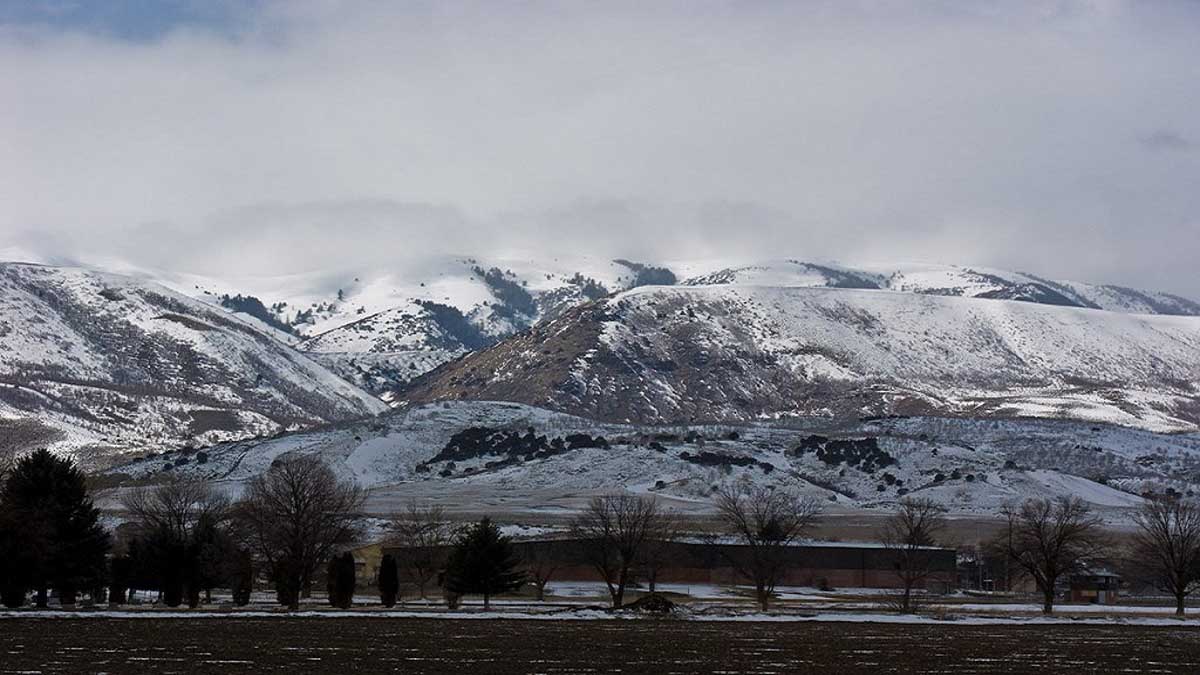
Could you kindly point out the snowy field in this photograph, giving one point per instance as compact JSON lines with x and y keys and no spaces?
{"x":378,"y":642}
{"x":577,"y":601}
{"x":934,"y":615}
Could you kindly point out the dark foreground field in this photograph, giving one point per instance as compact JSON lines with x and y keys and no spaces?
{"x":482,"y":647}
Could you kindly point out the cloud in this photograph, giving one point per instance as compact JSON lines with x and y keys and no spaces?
{"x":294,"y":136}
{"x":1164,"y":139}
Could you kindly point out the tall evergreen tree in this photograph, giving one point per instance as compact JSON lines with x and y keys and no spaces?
{"x":389,"y":581}
{"x":331,"y":589}
{"x":483,"y":563}
{"x":238,"y":566}
{"x":120,"y":575}
{"x":59,"y":526}
{"x":341,"y":581}
{"x":143,"y":569}
{"x":17,"y":561}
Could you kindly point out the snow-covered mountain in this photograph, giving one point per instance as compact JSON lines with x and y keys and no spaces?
{"x":378,"y":329}
{"x":728,"y":352}
{"x":381,"y":328}
{"x":521,"y":459}
{"x":101,"y":364}
{"x":860,"y":385}
{"x":952,"y":280}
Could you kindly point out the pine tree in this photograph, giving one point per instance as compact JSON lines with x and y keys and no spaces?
{"x":60,"y":534}
{"x":346,"y":579}
{"x":142,"y":571}
{"x":341,"y":581}
{"x":238,"y":567}
{"x":483,"y":563}
{"x":120,"y":574}
{"x":389,"y":581}
{"x":167,"y":556}
{"x":331,"y":589}
{"x":17,"y":563}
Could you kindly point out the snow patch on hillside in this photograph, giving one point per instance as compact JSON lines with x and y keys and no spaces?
{"x":971,"y":466}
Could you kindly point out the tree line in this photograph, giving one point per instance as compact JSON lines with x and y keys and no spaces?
{"x":183,"y":539}
{"x":293,"y":525}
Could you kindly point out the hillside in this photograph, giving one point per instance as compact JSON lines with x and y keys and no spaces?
{"x":101,"y":364}
{"x":733,"y":352}
{"x":381,"y":327}
{"x":513,"y":458}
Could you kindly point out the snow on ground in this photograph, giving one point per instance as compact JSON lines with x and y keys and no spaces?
{"x":1091,"y":492}
{"x":585,"y":614}
{"x":971,"y":466}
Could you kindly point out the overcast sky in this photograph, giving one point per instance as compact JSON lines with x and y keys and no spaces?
{"x":1061,"y":138}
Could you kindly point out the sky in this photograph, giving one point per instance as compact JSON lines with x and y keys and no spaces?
{"x":255,"y":136}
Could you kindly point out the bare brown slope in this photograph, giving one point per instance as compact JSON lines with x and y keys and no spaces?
{"x":531,"y":367}
{"x":672,"y":376}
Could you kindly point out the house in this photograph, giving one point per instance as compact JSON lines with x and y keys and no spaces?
{"x":1098,"y":585}
{"x":367,"y":558}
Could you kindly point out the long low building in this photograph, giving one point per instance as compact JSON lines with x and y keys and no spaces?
{"x":821,"y":565}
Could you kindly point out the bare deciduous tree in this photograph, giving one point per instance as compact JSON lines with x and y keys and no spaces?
{"x":424,"y":535}
{"x":540,"y":562}
{"x":657,"y":551}
{"x":296,"y":516}
{"x":1048,"y":539}
{"x":177,"y":506}
{"x":909,"y":535}
{"x":766,"y":522}
{"x":1166,"y":546}
{"x":613,"y":530}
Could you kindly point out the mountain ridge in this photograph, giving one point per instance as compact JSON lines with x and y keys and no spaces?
{"x":486,"y":301}
{"x":728,"y":352}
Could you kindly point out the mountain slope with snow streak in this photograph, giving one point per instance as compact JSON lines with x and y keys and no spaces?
{"x":106,"y":364}
{"x":729,"y":352}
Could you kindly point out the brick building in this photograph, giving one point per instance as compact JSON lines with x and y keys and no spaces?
{"x":834,"y":565}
